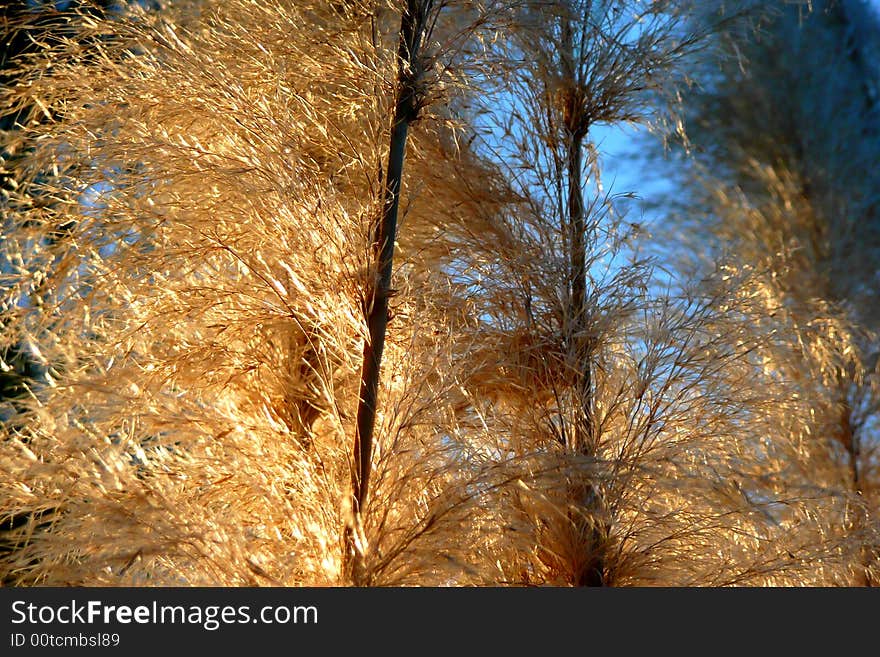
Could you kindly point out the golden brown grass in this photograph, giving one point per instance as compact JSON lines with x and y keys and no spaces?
{"x":186,"y":252}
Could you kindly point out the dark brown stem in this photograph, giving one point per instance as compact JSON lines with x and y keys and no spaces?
{"x":406,"y":110}
{"x":576,"y":122}
{"x":591,"y":528}
{"x":583,"y":438}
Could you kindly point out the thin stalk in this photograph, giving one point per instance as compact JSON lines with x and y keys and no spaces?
{"x":589,"y":525}
{"x":584,"y":427}
{"x":576,"y":128}
{"x":406,"y":109}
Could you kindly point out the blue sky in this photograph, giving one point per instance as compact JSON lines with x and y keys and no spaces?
{"x":622,"y":171}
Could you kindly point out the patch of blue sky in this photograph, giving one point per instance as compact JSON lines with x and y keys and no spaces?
{"x":93,"y":201}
